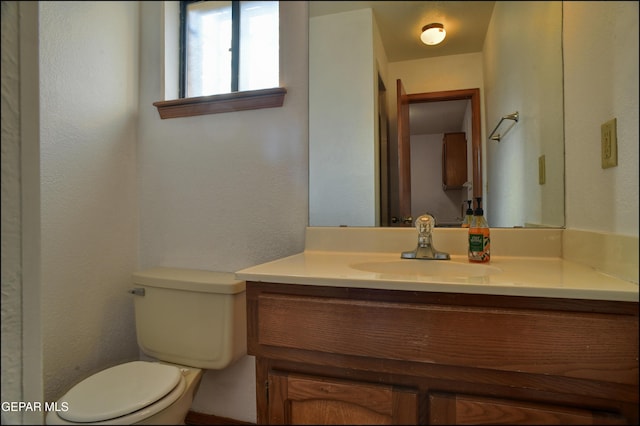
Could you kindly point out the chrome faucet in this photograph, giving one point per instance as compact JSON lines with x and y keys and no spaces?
{"x":425,"y":249}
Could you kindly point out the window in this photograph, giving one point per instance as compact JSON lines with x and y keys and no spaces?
{"x":216,"y":74}
{"x":228,"y":46}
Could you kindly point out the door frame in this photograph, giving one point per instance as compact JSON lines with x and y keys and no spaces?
{"x":473,"y":95}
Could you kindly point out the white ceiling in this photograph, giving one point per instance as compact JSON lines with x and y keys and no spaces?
{"x":400,"y":24}
{"x":437,"y":117}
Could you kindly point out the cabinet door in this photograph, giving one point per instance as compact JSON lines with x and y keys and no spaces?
{"x":456,"y":409}
{"x":454,"y":160}
{"x":295,"y":399}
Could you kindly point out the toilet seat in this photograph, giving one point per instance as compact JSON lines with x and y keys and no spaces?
{"x":124,"y":394}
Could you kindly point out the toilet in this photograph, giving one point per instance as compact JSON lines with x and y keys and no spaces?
{"x":187,"y":321}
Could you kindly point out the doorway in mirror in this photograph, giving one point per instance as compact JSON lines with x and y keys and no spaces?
{"x":416,"y":172}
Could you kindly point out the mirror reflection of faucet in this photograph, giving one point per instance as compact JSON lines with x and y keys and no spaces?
{"x":425,"y":249}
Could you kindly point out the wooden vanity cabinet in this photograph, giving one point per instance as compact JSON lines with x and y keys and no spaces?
{"x":337,"y":355}
{"x":454,"y":160}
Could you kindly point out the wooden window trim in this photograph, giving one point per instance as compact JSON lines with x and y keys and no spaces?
{"x":216,"y":104}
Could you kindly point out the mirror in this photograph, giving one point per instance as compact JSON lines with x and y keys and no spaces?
{"x":510,"y":51}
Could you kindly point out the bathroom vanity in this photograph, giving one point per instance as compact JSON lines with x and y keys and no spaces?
{"x":352,"y":337}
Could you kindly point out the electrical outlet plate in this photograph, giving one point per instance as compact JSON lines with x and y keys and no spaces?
{"x":609,"y":140}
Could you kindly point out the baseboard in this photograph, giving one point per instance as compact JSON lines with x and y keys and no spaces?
{"x":195,"y":418}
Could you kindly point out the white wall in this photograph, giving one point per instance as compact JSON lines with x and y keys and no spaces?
{"x":224,"y":191}
{"x":527,"y":80}
{"x":342,"y":127}
{"x":76,"y":128}
{"x":89,"y":215}
{"x":427,"y":195}
{"x":601,"y":83}
{"x":11,"y":214}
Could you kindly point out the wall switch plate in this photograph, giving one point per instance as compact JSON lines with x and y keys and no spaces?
{"x":609,"y":140}
{"x":542,"y":172}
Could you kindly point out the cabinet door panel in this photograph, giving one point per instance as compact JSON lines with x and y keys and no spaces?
{"x":465,"y":409}
{"x":297,"y":399}
{"x":454,"y":160}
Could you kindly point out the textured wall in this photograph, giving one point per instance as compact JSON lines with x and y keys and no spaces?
{"x":223,"y":191}
{"x":89,"y":225}
{"x":601,"y":82}
{"x":11,"y":244}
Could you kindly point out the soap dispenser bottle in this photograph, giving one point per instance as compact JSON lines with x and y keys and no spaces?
{"x":479,"y":242}
{"x":468,"y":218}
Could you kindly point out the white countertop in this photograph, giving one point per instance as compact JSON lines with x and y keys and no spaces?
{"x":518,"y":276}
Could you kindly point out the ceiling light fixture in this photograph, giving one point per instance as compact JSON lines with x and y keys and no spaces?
{"x":433,"y":34}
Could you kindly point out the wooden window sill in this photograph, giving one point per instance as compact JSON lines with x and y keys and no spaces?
{"x":216,"y":104}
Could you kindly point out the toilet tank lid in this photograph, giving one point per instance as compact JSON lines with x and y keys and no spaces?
{"x":190,"y":279}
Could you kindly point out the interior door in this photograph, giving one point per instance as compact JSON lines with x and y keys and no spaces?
{"x":404,"y":159}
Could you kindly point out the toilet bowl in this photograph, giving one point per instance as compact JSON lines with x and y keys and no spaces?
{"x":188,"y":320}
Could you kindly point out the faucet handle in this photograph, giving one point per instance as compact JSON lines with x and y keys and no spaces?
{"x":425,"y":224}
{"x":425,"y":250}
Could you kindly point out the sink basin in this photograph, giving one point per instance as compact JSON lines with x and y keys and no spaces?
{"x":428,"y":268}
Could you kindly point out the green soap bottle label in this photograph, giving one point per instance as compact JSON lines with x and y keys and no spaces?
{"x":476,"y":242}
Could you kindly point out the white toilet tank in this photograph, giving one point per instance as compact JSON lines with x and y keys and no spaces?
{"x":191,"y":317}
